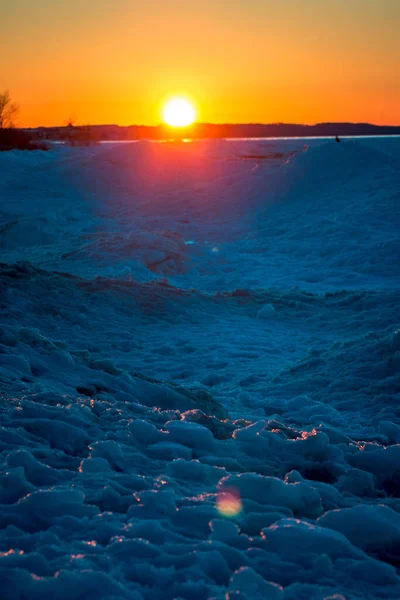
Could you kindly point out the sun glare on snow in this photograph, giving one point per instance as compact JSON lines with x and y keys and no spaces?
{"x":179,"y":112}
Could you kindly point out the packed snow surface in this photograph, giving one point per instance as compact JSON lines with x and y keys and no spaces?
{"x":200,"y":371}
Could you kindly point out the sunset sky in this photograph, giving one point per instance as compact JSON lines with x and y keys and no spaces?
{"x":116,"y":61}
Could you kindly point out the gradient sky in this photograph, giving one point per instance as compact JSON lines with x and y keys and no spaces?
{"x":115,"y":61}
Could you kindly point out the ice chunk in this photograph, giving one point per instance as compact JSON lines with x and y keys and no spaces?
{"x":372,"y":528}
{"x":250,"y":584}
{"x":298,"y":497}
{"x":190,"y":434}
{"x":291,"y":538}
{"x":144,"y":432}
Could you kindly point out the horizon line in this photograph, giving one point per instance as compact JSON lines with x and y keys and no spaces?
{"x":220,"y":124}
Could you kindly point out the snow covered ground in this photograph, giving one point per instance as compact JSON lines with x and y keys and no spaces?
{"x":200,"y":371}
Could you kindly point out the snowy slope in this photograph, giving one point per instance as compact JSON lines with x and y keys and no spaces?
{"x":200,"y":371}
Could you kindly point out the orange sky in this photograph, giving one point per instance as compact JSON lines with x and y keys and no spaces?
{"x":115,"y":61}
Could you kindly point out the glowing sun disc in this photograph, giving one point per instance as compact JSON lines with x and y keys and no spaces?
{"x":179,"y":112}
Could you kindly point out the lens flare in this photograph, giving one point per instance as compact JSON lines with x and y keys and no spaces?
{"x":229,"y":503}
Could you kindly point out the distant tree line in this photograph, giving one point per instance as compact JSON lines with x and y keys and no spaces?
{"x":218,"y":131}
{"x":12,"y":138}
{"x":79,"y":135}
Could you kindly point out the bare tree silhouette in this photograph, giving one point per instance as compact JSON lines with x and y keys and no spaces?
{"x":8,"y":111}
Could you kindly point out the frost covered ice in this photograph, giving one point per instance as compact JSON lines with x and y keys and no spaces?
{"x":200,"y":371}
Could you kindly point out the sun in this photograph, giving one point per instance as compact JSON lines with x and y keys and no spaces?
{"x":179,"y":112}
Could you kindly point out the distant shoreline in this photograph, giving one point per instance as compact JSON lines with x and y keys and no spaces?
{"x":212,"y":131}
{"x":264,"y":139}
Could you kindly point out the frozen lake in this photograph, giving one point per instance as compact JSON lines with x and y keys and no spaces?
{"x":200,"y":370}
